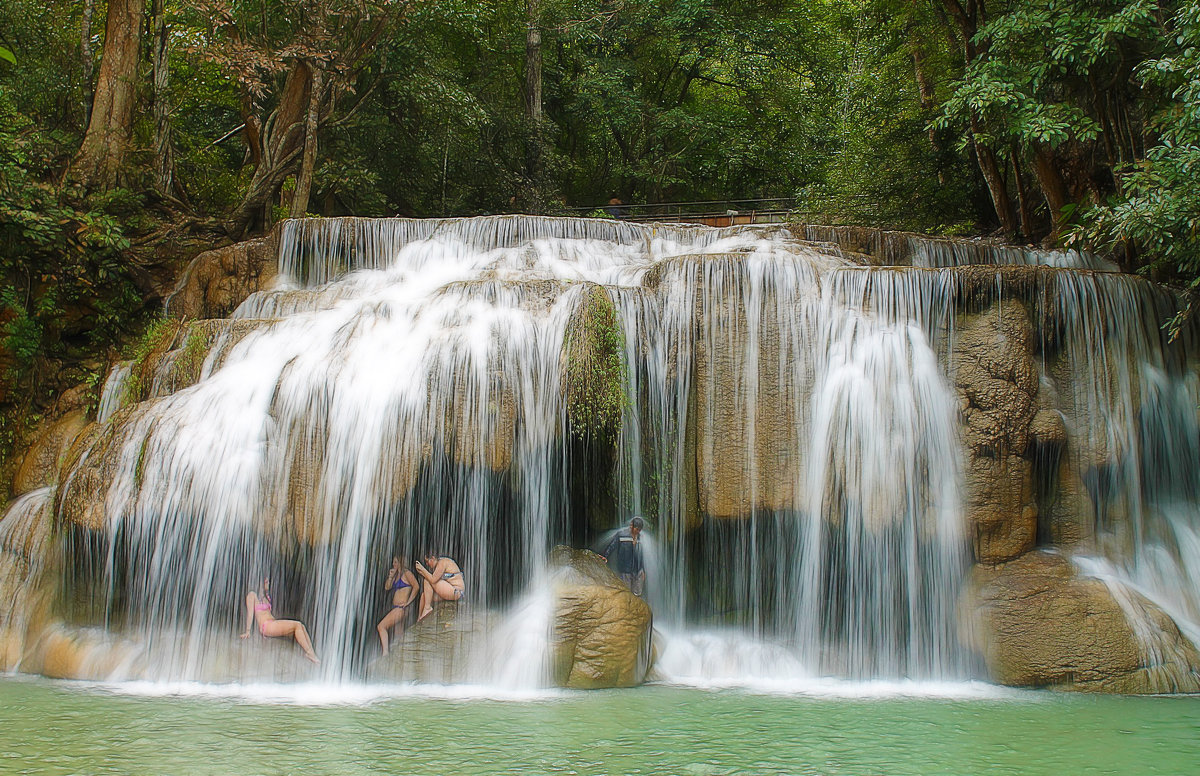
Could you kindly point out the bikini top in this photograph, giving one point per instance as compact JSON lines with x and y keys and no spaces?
{"x":263,"y":605}
{"x":400,"y":584}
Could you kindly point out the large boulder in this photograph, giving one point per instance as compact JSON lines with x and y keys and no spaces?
{"x":217,"y":281}
{"x":602,"y":631}
{"x":443,"y":648}
{"x":1042,"y":624}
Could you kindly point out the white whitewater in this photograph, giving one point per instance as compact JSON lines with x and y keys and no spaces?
{"x":401,"y":390}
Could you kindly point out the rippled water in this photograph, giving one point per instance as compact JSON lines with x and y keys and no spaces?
{"x":61,"y":728}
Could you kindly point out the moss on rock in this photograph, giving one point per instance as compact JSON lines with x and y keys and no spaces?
{"x":593,"y":367}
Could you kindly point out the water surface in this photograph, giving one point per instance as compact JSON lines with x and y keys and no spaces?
{"x":64,"y":728}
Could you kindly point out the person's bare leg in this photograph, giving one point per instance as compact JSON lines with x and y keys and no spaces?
{"x":386,"y":624}
{"x":426,"y":600}
{"x":446,"y":591}
{"x":301,"y":634}
{"x":295,"y":629}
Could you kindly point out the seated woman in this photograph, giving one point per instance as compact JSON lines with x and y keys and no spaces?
{"x":258,"y":610}
{"x":443,"y":580}
{"x":403,"y":585}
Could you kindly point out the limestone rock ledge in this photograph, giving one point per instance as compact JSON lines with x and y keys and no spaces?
{"x":1042,"y":624}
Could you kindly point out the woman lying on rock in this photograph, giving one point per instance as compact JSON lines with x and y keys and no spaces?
{"x":403,"y":584}
{"x":258,"y":610}
{"x":443,"y":581}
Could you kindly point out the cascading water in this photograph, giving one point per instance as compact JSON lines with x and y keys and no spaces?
{"x":789,"y":426}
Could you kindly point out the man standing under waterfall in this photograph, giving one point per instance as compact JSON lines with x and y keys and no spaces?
{"x":627,"y":548}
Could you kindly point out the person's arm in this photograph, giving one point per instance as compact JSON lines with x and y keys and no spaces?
{"x":439,"y":569}
{"x":391,"y":577}
{"x":612,"y":547}
{"x":249,"y":614}
{"x":424,"y":571}
{"x":411,"y":580}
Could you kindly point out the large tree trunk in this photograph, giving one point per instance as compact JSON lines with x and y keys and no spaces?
{"x":990,"y":168}
{"x":1053,"y":189}
{"x":164,"y":157}
{"x":85,"y":56}
{"x":533,"y":90}
{"x":969,"y":15}
{"x":1025,"y":207}
{"x":309,"y":160}
{"x":925,"y":90}
{"x":103,"y":150}
{"x":277,"y":144}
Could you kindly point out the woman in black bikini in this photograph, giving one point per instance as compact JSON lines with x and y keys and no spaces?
{"x":403,"y":585}
{"x":443,"y":580}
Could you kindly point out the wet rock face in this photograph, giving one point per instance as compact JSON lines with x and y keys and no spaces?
{"x":1041,"y":624}
{"x":40,"y":466}
{"x":997,"y":382}
{"x":746,"y":412}
{"x":440,"y":649}
{"x":217,"y":281}
{"x":90,"y":466}
{"x":602,"y":631}
{"x":24,"y":535}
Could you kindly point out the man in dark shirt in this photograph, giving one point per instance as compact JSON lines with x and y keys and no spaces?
{"x":624,"y":554}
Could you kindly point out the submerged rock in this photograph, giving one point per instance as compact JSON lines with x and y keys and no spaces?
{"x":1042,"y":624}
{"x":602,"y":631}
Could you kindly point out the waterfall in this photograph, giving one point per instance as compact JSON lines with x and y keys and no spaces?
{"x":789,"y":422}
{"x":112,"y":395}
{"x":890,"y":248}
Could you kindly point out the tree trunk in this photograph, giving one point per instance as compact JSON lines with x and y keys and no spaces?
{"x":276,"y":143}
{"x":164,"y":157}
{"x":969,"y":15}
{"x":1024,"y":205}
{"x":533,"y":89}
{"x":925,"y":90}
{"x":103,"y":149}
{"x":990,"y":168}
{"x":1053,"y":189}
{"x":85,"y":56}
{"x":309,"y":160}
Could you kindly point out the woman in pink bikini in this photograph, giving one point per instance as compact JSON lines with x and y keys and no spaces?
{"x":258,"y":610}
{"x":403,"y":584}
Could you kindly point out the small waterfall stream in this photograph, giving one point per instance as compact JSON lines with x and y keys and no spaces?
{"x":790,"y":428}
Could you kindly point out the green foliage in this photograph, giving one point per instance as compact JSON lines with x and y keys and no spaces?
{"x":885,"y":169}
{"x":155,"y":340}
{"x":1039,"y":64}
{"x":1159,"y":209}
{"x":191,"y":358}
{"x":67,"y":283}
